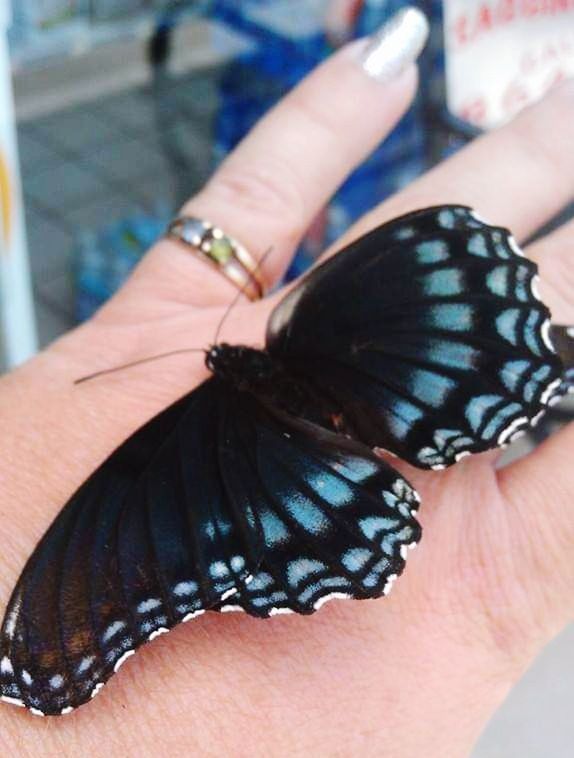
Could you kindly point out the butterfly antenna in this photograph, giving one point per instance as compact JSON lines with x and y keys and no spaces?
{"x":240,"y":292}
{"x":151,"y":358}
{"x":137,"y":363}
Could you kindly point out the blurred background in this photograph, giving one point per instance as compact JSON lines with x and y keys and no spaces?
{"x":113,"y":112}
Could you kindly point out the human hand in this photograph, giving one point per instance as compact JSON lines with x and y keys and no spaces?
{"x":418,"y":673}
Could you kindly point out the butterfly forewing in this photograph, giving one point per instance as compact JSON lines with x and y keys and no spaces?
{"x":426,"y":336}
{"x":148,"y":541}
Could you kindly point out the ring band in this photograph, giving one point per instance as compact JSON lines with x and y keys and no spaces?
{"x":227,"y":255}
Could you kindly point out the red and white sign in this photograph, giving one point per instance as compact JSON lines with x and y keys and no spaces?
{"x":503,"y":54}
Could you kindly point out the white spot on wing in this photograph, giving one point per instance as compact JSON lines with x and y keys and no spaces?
{"x":280,"y":611}
{"x":192,"y":615}
{"x":12,"y":701}
{"x":389,"y":585}
{"x":229,"y":593}
{"x":65,"y":711}
{"x":507,"y":433}
{"x":27,"y":678}
{"x":157,"y":633}
{"x":332,"y":596}
{"x":120,"y":662}
{"x":6,"y":666}
{"x":535,"y":287}
{"x":230,"y":609}
{"x":545,"y":331}
{"x":550,"y":390}
{"x":97,"y":688}
{"x":514,"y":246}
{"x":37,"y":712}
{"x":477,"y":217}
{"x":12,"y":619}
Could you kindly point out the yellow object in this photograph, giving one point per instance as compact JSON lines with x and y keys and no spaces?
{"x":5,"y":200}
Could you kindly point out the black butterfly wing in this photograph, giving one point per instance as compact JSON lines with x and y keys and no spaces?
{"x":563,"y":339}
{"x":337,"y":521}
{"x":425,"y":337}
{"x":214,"y":492}
{"x":151,"y":539}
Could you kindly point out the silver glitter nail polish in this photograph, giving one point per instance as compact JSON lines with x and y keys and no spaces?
{"x":396,"y":45}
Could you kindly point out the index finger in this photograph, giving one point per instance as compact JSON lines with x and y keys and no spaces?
{"x":271,"y":187}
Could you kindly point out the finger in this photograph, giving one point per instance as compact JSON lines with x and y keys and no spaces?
{"x":554,"y":255}
{"x":539,"y":488}
{"x":518,"y":176}
{"x":271,"y":187}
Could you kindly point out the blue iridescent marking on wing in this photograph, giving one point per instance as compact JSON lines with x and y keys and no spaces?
{"x":446,"y":282}
{"x":301,"y":569}
{"x":507,"y":325}
{"x":498,"y":282}
{"x":477,"y":246}
{"x":513,"y":372}
{"x":532,"y":333}
{"x":452,"y":317}
{"x":536,"y":383}
{"x":431,"y":387}
{"x":451,"y":354}
{"x":356,"y":558}
{"x":478,"y":408}
{"x":432,"y":251}
{"x":274,"y":530}
{"x":373,"y":527}
{"x":333,"y":489}
{"x":403,"y":416}
{"x":501,"y":419}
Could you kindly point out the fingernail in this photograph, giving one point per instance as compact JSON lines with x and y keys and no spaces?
{"x":396,"y":45}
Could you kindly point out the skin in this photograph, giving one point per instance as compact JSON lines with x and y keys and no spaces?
{"x":418,"y":673}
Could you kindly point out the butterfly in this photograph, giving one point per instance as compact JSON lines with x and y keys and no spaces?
{"x":261,"y":490}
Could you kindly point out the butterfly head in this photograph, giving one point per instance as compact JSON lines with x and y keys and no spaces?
{"x":239,"y":364}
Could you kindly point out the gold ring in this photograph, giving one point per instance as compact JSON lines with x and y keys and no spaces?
{"x":227,"y":255}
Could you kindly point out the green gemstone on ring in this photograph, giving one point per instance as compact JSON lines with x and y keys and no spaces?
{"x":221,"y":250}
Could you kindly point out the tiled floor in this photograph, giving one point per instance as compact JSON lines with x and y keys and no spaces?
{"x":88,"y":166}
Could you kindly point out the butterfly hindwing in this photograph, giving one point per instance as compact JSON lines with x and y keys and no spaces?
{"x":336,"y":520}
{"x":426,"y":336}
{"x":563,"y":339}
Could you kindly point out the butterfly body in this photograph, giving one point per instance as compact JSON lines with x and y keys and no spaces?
{"x":258,"y":490}
{"x":255,"y":371}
